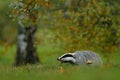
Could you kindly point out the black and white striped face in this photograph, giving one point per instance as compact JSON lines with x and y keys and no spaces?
{"x":67,"y":58}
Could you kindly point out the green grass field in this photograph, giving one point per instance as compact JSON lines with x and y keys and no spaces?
{"x":50,"y":68}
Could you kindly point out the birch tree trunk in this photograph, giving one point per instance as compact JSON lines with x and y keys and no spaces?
{"x":26,"y":50}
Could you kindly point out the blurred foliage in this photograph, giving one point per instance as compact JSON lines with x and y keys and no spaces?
{"x":7,"y":27}
{"x":91,"y":24}
{"x":81,"y":25}
{"x":28,"y":11}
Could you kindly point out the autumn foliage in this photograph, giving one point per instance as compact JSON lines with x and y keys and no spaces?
{"x":88,"y":24}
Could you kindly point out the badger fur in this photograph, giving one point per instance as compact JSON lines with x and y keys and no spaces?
{"x":81,"y":58}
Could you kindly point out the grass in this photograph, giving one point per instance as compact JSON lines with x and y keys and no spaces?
{"x":50,"y":68}
{"x":39,"y":72}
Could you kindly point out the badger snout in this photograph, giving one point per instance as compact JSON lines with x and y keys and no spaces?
{"x":58,"y":59}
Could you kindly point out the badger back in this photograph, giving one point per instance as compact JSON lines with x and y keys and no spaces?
{"x":83,"y":56}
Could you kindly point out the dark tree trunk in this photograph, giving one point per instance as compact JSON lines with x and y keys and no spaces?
{"x":26,"y":50}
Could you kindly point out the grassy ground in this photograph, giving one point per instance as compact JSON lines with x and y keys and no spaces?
{"x":50,"y":68}
{"x":54,"y":73}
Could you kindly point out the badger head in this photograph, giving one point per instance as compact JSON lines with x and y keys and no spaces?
{"x":67,"y":58}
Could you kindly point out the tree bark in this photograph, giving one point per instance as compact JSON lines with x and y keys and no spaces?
{"x":26,"y":50}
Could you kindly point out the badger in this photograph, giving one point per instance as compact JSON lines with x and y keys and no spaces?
{"x":81,"y":58}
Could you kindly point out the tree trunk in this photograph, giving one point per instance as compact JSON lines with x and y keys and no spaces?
{"x":26,"y":50}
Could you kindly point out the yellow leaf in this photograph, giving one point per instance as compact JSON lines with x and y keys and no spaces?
{"x":62,"y":70}
{"x":48,"y":4}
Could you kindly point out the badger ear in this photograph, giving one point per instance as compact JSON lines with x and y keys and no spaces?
{"x":74,"y":56}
